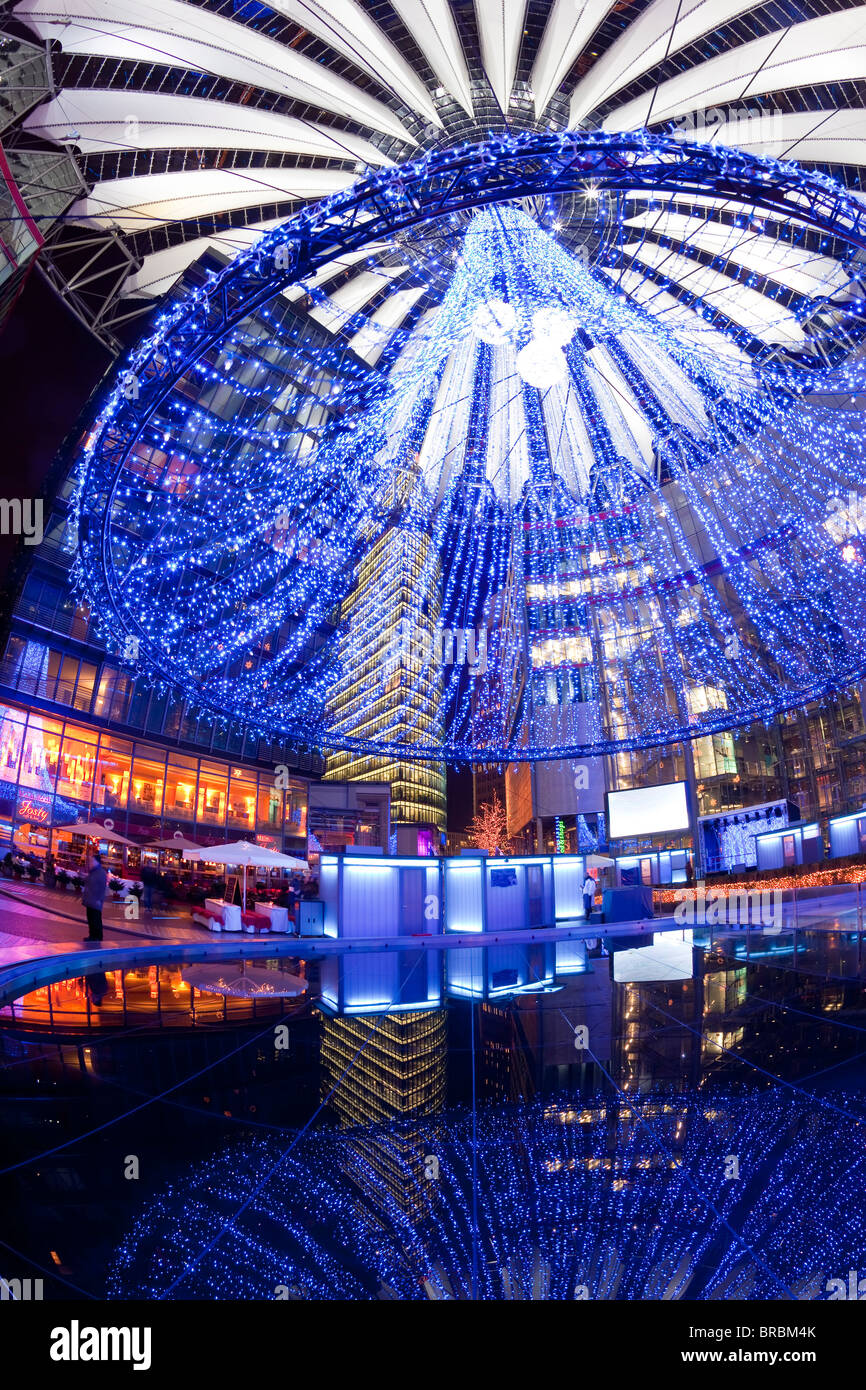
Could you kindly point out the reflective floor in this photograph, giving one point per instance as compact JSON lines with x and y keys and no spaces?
{"x":661,"y":1114}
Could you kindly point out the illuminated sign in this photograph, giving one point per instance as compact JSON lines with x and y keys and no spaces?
{"x":34,"y":807}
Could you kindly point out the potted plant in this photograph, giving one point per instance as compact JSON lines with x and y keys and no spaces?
{"x":62,"y":880}
{"x":116,"y":886}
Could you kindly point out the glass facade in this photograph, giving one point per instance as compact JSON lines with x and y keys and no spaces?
{"x":56,"y":771}
{"x":82,"y":738}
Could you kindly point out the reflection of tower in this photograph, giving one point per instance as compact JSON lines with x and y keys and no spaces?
{"x":388,"y":651}
{"x":387,"y":1067}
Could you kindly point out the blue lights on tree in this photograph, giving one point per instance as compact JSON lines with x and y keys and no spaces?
{"x":590,"y":1199}
{"x":639,"y":494}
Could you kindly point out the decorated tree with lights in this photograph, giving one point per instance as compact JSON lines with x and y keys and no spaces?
{"x":633,"y":486}
{"x":488,"y":829}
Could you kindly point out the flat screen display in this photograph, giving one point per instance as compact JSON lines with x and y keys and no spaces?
{"x":647,"y":811}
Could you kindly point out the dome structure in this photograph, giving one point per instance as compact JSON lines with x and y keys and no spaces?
{"x":526,"y":423}
{"x":196,"y":126}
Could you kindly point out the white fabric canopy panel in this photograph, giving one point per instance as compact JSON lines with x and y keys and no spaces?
{"x":753,"y":311}
{"x":135,"y":204}
{"x":363,"y":87}
{"x":101,"y":120}
{"x":661,"y":30}
{"x":432,"y":24}
{"x":831,"y":48}
{"x":183,"y":35}
{"x":804,"y":271}
{"x":347,"y":28}
{"x":500,"y":27}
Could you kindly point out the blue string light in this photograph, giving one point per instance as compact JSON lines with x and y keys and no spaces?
{"x":642,"y":502}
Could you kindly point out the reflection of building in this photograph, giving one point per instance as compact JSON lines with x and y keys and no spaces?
{"x":384,"y":1067}
{"x":390,"y":681}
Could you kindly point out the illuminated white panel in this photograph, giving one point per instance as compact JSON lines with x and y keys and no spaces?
{"x":753,"y":311}
{"x":445,"y":437}
{"x":570,"y":25}
{"x":464,"y":896}
{"x":507,"y":462}
{"x":500,"y":29}
{"x":681,"y":399}
{"x":831,"y":48}
{"x":160,"y":270}
{"x":135,"y":204}
{"x":668,"y":309}
{"x":406,"y":388}
{"x":431,"y":24}
{"x":664,"y":27}
{"x":571,"y":452}
{"x":108,"y":120}
{"x":629,"y":429}
{"x":351,"y":297}
{"x":344,"y":26}
{"x":647,"y":811}
{"x":801,"y":270}
{"x":332,"y":268}
{"x":569,"y":872}
{"x":832,"y":137}
{"x":183,"y":35}
{"x":372,"y":339}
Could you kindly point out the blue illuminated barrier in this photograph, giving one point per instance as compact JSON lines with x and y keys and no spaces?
{"x":495,"y":895}
{"x":664,"y":866}
{"x":800,"y":843}
{"x":369,"y":897}
{"x":848,"y":834}
{"x":366,"y":897}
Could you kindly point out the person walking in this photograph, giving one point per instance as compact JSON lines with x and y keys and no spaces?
{"x":589,"y":887}
{"x":93,"y":896}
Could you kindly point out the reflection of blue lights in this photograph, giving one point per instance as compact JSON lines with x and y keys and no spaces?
{"x":579,"y":1198}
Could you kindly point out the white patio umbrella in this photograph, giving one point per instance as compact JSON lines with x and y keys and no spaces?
{"x":599,"y":861}
{"x":243,"y":854}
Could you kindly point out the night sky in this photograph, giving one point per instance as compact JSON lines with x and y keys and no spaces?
{"x":49,"y":364}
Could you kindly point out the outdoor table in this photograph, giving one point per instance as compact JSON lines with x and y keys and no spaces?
{"x":231,"y":914}
{"x":278,"y":916}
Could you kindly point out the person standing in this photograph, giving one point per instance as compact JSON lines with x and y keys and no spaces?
{"x":589,"y":887}
{"x":93,"y":896}
{"x":149,"y":881}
